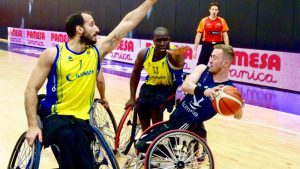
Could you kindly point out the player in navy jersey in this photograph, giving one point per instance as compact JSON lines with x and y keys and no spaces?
{"x":201,"y":87}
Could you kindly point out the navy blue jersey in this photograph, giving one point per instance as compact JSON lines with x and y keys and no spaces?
{"x":196,"y":109}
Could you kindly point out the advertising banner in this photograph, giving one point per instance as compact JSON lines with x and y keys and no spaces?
{"x":16,"y":35}
{"x":260,"y":67}
{"x":57,"y":38}
{"x":126,"y":51}
{"x":37,"y":38}
{"x":266,"y":68}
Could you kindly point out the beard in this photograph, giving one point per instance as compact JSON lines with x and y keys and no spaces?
{"x":87,"y":39}
{"x":214,"y":69}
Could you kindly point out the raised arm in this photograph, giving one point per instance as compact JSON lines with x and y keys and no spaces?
{"x":128,"y":23}
{"x":135,"y":77}
{"x":190,"y":82}
{"x":36,"y":80}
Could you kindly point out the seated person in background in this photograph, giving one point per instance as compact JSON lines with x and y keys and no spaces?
{"x":164,"y":65}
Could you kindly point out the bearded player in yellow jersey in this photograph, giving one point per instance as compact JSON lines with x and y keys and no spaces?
{"x":164,"y":64}
{"x":72,"y":71}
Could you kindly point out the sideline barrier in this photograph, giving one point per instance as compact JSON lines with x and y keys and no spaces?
{"x":259,"y":67}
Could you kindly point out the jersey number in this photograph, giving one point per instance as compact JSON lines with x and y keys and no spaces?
{"x":80,"y":64}
{"x":155,"y":69}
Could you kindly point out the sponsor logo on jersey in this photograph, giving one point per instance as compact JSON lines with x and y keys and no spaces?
{"x":71,"y":77}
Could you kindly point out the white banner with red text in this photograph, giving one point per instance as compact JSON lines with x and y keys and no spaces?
{"x":260,"y":67}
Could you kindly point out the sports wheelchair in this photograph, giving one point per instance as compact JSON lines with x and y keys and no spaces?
{"x":174,"y":148}
{"x":28,"y":157}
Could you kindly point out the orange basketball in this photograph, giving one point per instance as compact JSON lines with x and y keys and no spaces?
{"x":228,"y":101}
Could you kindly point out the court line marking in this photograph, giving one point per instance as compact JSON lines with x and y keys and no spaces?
{"x":261,"y":124}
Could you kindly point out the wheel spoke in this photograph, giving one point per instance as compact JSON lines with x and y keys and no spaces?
{"x":176,"y":149}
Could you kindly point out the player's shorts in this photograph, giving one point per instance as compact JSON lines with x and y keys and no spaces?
{"x":152,"y":97}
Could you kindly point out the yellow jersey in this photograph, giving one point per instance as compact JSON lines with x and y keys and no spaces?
{"x":71,"y":82}
{"x":158,"y":71}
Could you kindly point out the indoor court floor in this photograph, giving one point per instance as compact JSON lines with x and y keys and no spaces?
{"x":267,"y":137}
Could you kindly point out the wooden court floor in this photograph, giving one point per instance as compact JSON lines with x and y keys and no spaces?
{"x":263,"y":139}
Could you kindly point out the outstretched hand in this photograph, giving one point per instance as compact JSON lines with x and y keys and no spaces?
{"x":178,"y":51}
{"x":212,"y":92}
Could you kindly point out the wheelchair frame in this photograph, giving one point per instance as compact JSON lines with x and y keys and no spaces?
{"x":31,"y":154}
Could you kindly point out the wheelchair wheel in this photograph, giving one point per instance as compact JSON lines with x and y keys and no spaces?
{"x":104,"y":120}
{"x":103,"y":155}
{"x":149,"y":129}
{"x":25,"y":156}
{"x":144,"y":141}
{"x":127,"y":130}
{"x":178,"y":149}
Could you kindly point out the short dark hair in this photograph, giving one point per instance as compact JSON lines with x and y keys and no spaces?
{"x":214,"y":4}
{"x":161,"y":29}
{"x":73,"y":20}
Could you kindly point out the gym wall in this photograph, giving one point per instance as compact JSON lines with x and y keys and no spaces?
{"x":256,"y":24}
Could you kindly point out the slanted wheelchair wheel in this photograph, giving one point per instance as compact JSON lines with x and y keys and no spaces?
{"x":127,"y":130}
{"x":178,"y":149}
{"x":104,"y":120}
{"x":25,"y":156}
{"x":103,"y":155}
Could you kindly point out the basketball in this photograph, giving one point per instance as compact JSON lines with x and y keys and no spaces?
{"x":228,"y":101}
